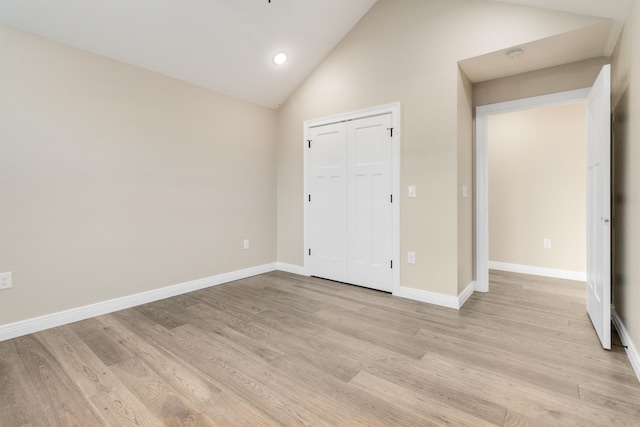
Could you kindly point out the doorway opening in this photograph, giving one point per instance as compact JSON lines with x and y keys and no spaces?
{"x":483,"y":116}
{"x":537,"y":191}
{"x":598,"y":195}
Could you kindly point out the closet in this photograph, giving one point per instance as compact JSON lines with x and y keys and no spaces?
{"x":350,"y":216}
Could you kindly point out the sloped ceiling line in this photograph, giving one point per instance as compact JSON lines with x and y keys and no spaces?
{"x":227,"y":45}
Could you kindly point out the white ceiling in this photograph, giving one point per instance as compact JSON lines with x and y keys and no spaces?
{"x":615,"y":9}
{"x":224,"y":45}
{"x":588,"y":42}
{"x":227,"y":45}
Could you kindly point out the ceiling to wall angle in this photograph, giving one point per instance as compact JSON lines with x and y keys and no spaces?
{"x":597,"y":40}
{"x":224,"y":45}
{"x":229,"y":45}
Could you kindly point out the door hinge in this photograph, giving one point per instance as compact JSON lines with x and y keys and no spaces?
{"x":391,"y":263}
{"x":309,"y":197}
{"x":309,"y":251}
{"x":392,"y":198}
{"x":309,"y":141}
{"x":390,"y":132}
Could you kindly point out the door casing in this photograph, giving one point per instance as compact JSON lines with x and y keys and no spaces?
{"x":482,"y":169}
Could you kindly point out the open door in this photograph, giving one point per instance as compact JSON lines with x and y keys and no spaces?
{"x":599,"y":206}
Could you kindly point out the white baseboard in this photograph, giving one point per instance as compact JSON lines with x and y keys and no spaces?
{"x":29,"y":326}
{"x":435,"y":298}
{"x":632,"y":351}
{"x":466,"y":294}
{"x":290,"y":268}
{"x":404,"y":292}
{"x":539,"y":271}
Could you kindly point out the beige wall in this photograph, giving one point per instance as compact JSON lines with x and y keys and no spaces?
{"x":408,"y":51}
{"x":465,"y":179}
{"x":115,"y":180}
{"x":537,"y":187}
{"x":576,"y":75}
{"x":626,"y":104}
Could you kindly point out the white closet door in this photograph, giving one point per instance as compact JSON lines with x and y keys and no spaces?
{"x":350,"y":206}
{"x":369,"y":210}
{"x":328,"y":204}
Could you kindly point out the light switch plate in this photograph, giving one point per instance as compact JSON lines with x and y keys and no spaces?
{"x":412,"y":191}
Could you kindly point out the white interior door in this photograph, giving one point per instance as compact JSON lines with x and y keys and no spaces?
{"x":350,"y":206}
{"x":370,"y":213}
{"x":328,"y":201}
{"x":599,"y":206}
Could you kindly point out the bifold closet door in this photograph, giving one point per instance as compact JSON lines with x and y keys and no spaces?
{"x":328,"y":202}
{"x":369,"y":206}
{"x":351,"y":216}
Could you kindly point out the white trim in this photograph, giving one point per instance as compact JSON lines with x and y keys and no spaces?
{"x":352,"y":115}
{"x":394,"y":110}
{"x":539,"y":271}
{"x":290,"y":268}
{"x":466,"y":294}
{"x":435,"y":298}
{"x":36,"y":324}
{"x":426,"y":296}
{"x":632,"y":351}
{"x":482,"y":168}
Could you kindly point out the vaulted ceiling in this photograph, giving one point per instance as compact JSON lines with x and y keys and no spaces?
{"x":224,"y":45}
{"x":228,"y":45}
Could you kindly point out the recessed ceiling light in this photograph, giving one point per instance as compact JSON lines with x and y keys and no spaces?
{"x":279,"y":58}
{"x":515,"y":53}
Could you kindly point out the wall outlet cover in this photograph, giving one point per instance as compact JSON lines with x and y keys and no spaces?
{"x":5,"y":280}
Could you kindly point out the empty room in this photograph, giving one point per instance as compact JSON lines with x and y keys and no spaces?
{"x":298,"y":212}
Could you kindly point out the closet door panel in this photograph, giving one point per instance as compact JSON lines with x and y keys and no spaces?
{"x":328,"y":204}
{"x":369,"y":210}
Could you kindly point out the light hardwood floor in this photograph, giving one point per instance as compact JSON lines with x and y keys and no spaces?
{"x":280,"y":349}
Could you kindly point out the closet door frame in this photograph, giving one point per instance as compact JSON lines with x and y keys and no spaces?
{"x":394,"y":110}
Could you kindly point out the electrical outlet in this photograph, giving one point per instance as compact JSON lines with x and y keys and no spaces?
{"x":546,"y":243}
{"x":5,"y":280}
{"x":411,"y":259}
{"x":246,"y":244}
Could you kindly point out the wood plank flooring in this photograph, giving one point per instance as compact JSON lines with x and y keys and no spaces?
{"x":279,"y":349}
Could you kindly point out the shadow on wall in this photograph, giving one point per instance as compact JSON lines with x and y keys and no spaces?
{"x":620,"y":154}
